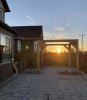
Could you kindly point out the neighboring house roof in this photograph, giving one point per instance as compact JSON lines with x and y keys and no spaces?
{"x":4,"y":2}
{"x":29,"y":32}
{"x":7,"y":27}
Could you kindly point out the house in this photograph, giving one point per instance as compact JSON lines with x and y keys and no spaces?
{"x":6,"y":43}
{"x":26,"y":44}
{"x":17,"y":44}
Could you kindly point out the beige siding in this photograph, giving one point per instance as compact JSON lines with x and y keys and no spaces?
{"x":2,"y":30}
{"x":1,"y":6}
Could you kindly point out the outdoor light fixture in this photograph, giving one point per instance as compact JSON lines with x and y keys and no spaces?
{"x":27,"y":47}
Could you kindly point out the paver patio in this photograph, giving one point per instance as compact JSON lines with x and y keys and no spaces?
{"x":38,"y":86}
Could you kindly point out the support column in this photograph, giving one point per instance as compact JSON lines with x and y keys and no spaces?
{"x":70,"y":55}
{"x":42,"y":54}
{"x":77,"y":55}
{"x":42,"y":60}
{"x":38,"y":55}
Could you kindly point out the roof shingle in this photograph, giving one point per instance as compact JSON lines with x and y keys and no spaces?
{"x":29,"y":31}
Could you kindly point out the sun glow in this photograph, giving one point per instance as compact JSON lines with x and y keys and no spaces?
{"x":59,"y":50}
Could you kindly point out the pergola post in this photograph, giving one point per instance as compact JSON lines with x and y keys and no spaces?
{"x":38,"y":55}
{"x":42,"y":54}
{"x":42,"y":57}
{"x":70,"y":55}
{"x":77,"y":55}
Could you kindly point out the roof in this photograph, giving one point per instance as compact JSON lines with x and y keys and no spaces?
{"x":4,"y":2}
{"x":7,"y":27}
{"x":29,"y":31}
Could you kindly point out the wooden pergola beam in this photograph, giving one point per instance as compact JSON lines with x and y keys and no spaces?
{"x":61,"y":40}
{"x":74,"y":44}
{"x":43,"y":46}
{"x":56,"y":44}
{"x":67,"y":47}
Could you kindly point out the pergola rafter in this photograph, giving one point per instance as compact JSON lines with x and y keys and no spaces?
{"x":67,"y":43}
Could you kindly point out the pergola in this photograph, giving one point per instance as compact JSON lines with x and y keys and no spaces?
{"x":67,"y":43}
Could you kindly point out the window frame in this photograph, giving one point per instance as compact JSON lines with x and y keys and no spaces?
{"x":35,"y":46}
{"x":19,"y":45}
{"x":10,"y":50}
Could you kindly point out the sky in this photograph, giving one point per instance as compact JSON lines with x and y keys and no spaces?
{"x":61,"y":19}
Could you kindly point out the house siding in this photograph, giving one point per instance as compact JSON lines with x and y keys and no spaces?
{"x":27,"y":35}
{"x":1,"y":6}
{"x":29,"y":57}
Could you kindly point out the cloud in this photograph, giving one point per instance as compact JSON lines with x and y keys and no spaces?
{"x":59,"y":29}
{"x":67,"y":24}
{"x":30,"y":19}
{"x":59,"y":35}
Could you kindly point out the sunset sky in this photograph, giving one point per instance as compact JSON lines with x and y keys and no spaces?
{"x":61,"y":19}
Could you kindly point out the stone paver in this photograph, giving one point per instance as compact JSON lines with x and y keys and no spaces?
{"x":37,"y":87}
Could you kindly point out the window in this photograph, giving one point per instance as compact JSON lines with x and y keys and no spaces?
{"x":35,"y":46}
{"x":6,"y":42}
{"x":19,"y":46}
{"x":1,"y":15}
{"x":3,"y":41}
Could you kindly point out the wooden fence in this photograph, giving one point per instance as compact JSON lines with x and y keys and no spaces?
{"x":54,"y":59}
{"x":6,"y":71}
